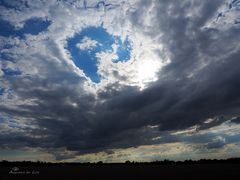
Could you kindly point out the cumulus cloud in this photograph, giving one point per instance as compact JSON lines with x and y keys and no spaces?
{"x":86,"y":43}
{"x":183,"y":73}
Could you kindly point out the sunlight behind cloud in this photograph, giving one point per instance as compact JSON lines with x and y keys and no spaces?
{"x":147,"y":72}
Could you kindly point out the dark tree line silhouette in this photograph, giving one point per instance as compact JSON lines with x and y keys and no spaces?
{"x":166,"y":169}
{"x":164,"y":162}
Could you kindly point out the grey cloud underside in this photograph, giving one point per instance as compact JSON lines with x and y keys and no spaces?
{"x":185,"y":95}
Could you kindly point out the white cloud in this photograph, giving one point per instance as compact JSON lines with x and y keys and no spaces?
{"x":226,"y":17}
{"x":70,"y":19}
{"x":87,"y":44}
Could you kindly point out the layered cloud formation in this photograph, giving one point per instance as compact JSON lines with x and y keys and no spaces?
{"x":116,"y":80}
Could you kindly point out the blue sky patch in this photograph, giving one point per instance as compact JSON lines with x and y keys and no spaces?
{"x":16,"y":5}
{"x":123,"y":51}
{"x":92,"y":40}
{"x":11,"y":72}
{"x":1,"y":93}
{"x":32,"y":26}
{"x":6,"y":57}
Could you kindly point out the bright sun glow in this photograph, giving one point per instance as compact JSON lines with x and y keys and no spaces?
{"x":147,"y":72}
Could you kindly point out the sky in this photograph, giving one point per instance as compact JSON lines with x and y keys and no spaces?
{"x":117,"y":80}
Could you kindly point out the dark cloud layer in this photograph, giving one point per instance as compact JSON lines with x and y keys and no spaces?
{"x":201,"y":81}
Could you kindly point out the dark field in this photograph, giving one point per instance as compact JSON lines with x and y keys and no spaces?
{"x":160,"y":170}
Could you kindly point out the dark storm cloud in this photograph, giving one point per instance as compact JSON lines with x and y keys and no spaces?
{"x":236,"y":120}
{"x":177,"y":101}
{"x":186,"y":94}
{"x":214,"y":145}
{"x":215,"y":122}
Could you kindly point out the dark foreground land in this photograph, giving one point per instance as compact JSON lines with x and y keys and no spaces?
{"x":203,"y":169}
